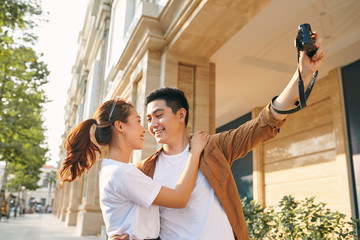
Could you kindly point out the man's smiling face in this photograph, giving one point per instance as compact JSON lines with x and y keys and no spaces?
{"x":163,"y":124}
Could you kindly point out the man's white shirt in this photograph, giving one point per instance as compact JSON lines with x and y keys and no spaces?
{"x":203,"y":217}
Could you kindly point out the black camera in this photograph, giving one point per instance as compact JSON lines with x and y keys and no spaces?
{"x":303,"y":40}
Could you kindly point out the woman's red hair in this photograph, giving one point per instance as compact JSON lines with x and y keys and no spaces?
{"x":80,"y":152}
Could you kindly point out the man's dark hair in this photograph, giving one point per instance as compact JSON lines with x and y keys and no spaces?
{"x":174,"y":98}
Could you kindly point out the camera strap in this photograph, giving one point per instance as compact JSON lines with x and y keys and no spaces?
{"x":303,"y":95}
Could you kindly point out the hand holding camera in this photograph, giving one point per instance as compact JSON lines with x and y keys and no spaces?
{"x":310,"y":57}
{"x":310,"y":50}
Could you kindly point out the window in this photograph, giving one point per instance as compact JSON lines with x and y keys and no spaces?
{"x":122,"y":14}
{"x":45,"y":183}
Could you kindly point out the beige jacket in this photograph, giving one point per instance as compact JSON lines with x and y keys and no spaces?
{"x":216,"y":160}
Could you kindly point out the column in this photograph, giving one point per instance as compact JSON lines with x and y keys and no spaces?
{"x":64,"y":201}
{"x":258,"y":168}
{"x":150,"y":66}
{"x":56,"y":201}
{"x":197,"y":80}
{"x":343,"y":164}
{"x":89,"y":219}
{"x":75,"y":197}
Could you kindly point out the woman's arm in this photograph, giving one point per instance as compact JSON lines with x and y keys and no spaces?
{"x":179,"y":197}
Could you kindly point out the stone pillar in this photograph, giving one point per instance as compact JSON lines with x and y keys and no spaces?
{"x":204,"y":95}
{"x":56,"y":200}
{"x":186,"y":81}
{"x":168,"y":70}
{"x":75,"y":197}
{"x":59,"y":199}
{"x":342,"y":162}
{"x":212,"y":99}
{"x":197,"y":80}
{"x":258,"y":168}
{"x":89,"y":219}
{"x":64,"y":201}
{"x":151,"y":71}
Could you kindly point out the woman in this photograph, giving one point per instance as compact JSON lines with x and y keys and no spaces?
{"x":126,"y":194}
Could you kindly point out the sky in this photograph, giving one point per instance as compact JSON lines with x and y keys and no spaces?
{"x":58,"y":42}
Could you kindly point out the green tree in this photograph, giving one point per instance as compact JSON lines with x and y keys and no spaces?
{"x":22,"y":76}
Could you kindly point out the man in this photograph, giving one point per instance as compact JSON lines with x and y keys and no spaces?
{"x":214,"y":210}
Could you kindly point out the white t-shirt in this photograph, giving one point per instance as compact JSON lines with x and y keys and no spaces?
{"x":203,"y":217}
{"x":126,"y":195}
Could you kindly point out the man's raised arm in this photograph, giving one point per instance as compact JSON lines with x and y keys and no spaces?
{"x":307,"y":67}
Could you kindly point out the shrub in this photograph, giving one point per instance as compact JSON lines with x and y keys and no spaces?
{"x":292,"y":219}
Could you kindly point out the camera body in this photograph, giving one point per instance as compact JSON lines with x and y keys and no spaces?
{"x":303,"y":40}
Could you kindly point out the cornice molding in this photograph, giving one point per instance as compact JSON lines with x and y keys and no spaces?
{"x":147,"y":35}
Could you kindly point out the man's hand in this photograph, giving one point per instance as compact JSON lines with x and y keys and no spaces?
{"x":307,"y":65}
{"x":120,"y":237}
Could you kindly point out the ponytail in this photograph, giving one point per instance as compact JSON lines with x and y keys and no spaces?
{"x":80,"y":152}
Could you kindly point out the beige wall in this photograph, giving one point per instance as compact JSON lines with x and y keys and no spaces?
{"x":308,"y":158}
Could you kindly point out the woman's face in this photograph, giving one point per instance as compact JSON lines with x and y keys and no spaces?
{"x":133,"y":130}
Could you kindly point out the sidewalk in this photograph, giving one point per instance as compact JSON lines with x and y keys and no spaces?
{"x":39,"y":227}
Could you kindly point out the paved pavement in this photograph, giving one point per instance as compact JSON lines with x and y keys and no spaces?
{"x":39,"y":227}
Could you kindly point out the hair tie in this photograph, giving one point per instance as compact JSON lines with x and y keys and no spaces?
{"x":95,"y":122}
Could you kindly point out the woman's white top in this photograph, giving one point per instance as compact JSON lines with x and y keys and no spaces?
{"x":126,"y":195}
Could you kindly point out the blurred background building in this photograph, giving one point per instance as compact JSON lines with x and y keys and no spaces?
{"x":17,"y":202}
{"x":230,"y":57}
{"x":41,"y":200}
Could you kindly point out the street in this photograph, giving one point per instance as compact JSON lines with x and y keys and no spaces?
{"x":38,"y":227}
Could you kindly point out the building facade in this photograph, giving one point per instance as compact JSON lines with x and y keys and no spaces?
{"x":230,"y":57}
{"x":42,"y":199}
